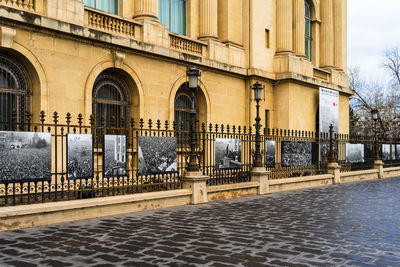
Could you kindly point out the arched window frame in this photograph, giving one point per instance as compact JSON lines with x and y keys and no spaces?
{"x":173,"y":14}
{"x":184,"y":92}
{"x":308,"y":30}
{"x":14,"y":97}
{"x":113,"y":81}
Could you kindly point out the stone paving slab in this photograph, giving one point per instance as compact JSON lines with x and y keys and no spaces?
{"x":346,"y":225}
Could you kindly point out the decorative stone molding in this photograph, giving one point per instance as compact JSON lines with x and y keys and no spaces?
{"x":7,"y":36}
{"x":118,"y":59}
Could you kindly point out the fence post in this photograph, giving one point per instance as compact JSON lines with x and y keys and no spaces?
{"x":193,"y":177}
{"x":378,"y":165}
{"x":333,"y":166}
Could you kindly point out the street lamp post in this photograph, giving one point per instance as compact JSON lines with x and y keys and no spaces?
{"x":193,"y":75}
{"x":374,"y":114}
{"x":257,"y":88}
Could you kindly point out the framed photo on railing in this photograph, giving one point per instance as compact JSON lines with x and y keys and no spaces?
{"x":228,"y":153}
{"x":297,"y":154}
{"x":270,"y":153}
{"x":25,"y":157}
{"x":114,"y":156}
{"x":79,"y":156}
{"x":355,"y":153}
{"x":157,"y":155}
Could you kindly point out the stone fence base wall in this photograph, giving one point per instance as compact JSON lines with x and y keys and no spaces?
{"x":34,"y":215}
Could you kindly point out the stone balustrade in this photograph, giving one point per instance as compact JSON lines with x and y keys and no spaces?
{"x":186,"y":45}
{"x":23,"y":4}
{"x":106,"y":22}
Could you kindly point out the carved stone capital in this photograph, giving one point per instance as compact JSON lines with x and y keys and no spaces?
{"x":7,"y":36}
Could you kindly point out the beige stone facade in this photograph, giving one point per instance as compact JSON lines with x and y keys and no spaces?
{"x":64,"y":45}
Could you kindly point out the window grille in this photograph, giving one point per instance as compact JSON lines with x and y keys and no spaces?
{"x":110,"y":99}
{"x":14,"y":93}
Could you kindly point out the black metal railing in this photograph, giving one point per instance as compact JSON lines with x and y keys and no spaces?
{"x":157,"y":154}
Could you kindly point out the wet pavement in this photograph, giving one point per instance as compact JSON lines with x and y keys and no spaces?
{"x":347,"y":225}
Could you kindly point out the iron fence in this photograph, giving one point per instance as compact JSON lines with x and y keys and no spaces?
{"x":225,"y":154}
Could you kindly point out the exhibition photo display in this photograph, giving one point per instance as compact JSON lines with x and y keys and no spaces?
{"x":25,"y":157}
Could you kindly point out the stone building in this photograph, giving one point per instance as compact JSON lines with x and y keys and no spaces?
{"x":129,"y":58}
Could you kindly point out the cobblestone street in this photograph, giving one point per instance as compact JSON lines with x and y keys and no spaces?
{"x":347,"y":225}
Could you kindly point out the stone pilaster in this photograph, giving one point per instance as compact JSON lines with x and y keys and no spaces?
{"x":146,"y":9}
{"x":260,"y":175}
{"x":298,"y":28}
{"x":196,"y":182}
{"x":327,"y":35}
{"x":284,"y":26}
{"x":339,"y":21}
{"x":208,"y":19}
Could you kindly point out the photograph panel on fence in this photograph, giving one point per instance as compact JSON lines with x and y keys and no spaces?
{"x":79,"y":156}
{"x":114,"y":159}
{"x":393,"y":154}
{"x":324,"y":150}
{"x":25,"y":156}
{"x":270,"y":154}
{"x":328,"y":110}
{"x":386,"y":152}
{"x":228,"y":153}
{"x":157,"y":154}
{"x":397,"y":152}
{"x":355,"y":153}
{"x":296,"y":154}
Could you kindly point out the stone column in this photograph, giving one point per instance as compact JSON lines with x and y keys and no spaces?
{"x":339,"y":21}
{"x":208,"y":19}
{"x":146,"y":9}
{"x":298,"y":28}
{"x":327,"y":36}
{"x":196,"y":182}
{"x":284,"y":26}
{"x":260,"y":175}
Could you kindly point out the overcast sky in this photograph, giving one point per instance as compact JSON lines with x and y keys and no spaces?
{"x":373,"y":27}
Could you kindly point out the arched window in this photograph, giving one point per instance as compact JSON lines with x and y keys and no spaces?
{"x":172,"y":13}
{"x":308,"y":29}
{"x":14,"y":92}
{"x":183,"y":107}
{"x":110,"y":6}
{"x":110,"y":98}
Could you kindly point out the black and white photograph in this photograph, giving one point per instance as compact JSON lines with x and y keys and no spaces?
{"x":269,"y":154}
{"x":296,"y":154}
{"x":25,"y":156}
{"x":397,"y":153}
{"x":355,"y":153}
{"x":79,"y":156}
{"x":228,"y":153}
{"x":157,"y":154}
{"x":114,"y":160}
{"x":386,"y":152}
{"x":328,"y":110}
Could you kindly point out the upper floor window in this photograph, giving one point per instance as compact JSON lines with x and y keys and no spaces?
{"x":308,"y":30}
{"x":172,"y":13}
{"x":110,"y":6}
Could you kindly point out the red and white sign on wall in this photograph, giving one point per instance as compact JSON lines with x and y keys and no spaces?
{"x":328,"y":110}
